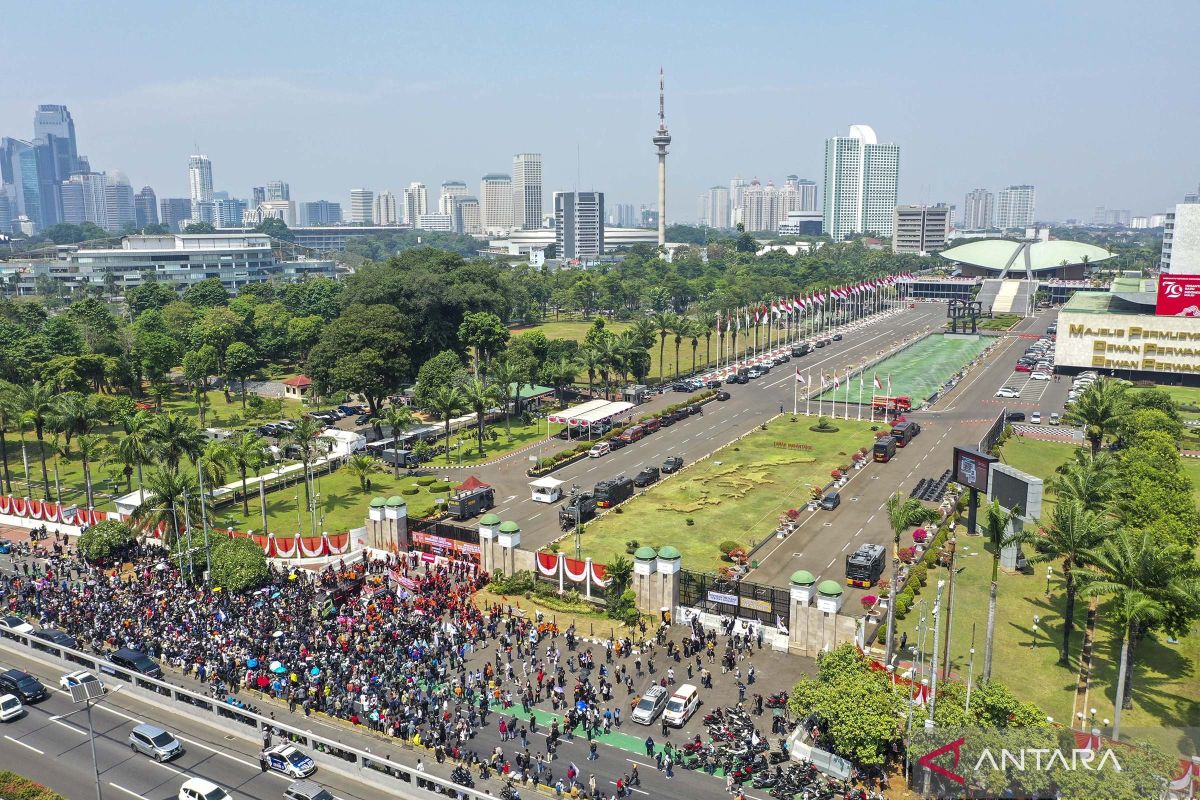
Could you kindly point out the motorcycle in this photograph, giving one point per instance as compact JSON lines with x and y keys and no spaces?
{"x":777,"y":700}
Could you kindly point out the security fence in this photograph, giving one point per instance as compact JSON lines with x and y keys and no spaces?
{"x":734,"y":598}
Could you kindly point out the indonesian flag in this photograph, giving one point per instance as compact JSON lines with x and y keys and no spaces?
{"x":797,"y":304}
{"x":824,"y":382}
{"x":836,"y":381}
{"x":775,"y":310}
{"x":738,"y":317}
{"x":875,"y":378}
{"x":799,"y":377}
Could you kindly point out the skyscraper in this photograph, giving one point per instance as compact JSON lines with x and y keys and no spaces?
{"x":416,"y":202}
{"x":362,"y":209}
{"x":1015,"y":207}
{"x":579,"y":225}
{"x":661,"y":139}
{"x":55,"y":121}
{"x":464,"y":215}
{"x":84,"y":198}
{"x":200,"y":186}
{"x":174,"y":212}
{"x":258,"y":195}
{"x":496,"y":202}
{"x":450,"y":191}
{"x":145,"y":208}
{"x":807,"y":191}
{"x":978,"y":210}
{"x":118,"y":203}
{"x":527,"y":190}
{"x":861,"y":178}
{"x":737,"y":187}
{"x":921,"y":229}
{"x":320,"y":212}
{"x":21,"y":169}
{"x":228,"y":211}
{"x":718,"y":207}
{"x":278,"y":190}
{"x":384,"y":212}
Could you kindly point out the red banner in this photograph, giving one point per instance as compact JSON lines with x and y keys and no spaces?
{"x":1178,"y":296}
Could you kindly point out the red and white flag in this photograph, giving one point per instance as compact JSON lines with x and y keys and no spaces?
{"x":875,"y":378}
{"x":799,"y":377}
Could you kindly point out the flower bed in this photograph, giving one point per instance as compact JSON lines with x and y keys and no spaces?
{"x":918,"y":575}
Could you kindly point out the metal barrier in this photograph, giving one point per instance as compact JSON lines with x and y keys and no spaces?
{"x":360,"y":765}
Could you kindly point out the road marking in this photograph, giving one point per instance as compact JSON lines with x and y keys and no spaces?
{"x":641,"y":763}
{"x":130,"y":792}
{"x":68,"y":726}
{"x":844,"y":548}
{"x":869,"y":520}
{"x":535,"y":516}
{"x":830,"y":564}
{"x":633,"y":788}
{"x":27,"y":746}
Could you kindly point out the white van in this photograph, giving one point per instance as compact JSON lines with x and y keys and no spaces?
{"x":600,"y":449}
{"x":681,"y":706}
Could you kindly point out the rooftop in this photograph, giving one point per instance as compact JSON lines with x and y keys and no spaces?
{"x":1005,"y":254}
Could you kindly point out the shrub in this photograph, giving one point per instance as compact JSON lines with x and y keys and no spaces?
{"x":689,"y":521}
{"x":105,"y":540}
{"x":238,"y":564}
{"x":439,"y":488}
{"x":409,"y":491}
{"x":726,"y":546}
{"x":18,"y":787}
{"x":869,"y":600}
{"x":632,"y":545}
{"x":517,"y":583}
{"x":425,"y":480}
{"x":920,"y":574}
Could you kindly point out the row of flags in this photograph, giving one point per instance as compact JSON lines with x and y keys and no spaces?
{"x":837,"y":382}
{"x":749,"y":317}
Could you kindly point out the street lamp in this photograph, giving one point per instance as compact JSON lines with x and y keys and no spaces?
{"x":1049,"y":575}
{"x":1033,"y":643}
{"x":87,"y":692}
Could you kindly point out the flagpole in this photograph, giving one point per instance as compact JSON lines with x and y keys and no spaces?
{"x":847,"y":394}
{"x":796,"y":393}
{"x":808,"y":394}
{"x":860,"y":388}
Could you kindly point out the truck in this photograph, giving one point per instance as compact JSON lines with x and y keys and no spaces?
{"x":400,"y":458}
{"x":898,"y":403}
{"x":802,"y":349}
{"x":584,"y":502}
{"x":465,"y":505}
{"x":612,"y":491}
{"x":903,"y":432}
{"x":884,"y":449}
{"x":864,"y":567}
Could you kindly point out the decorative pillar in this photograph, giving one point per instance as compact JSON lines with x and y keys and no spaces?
{"x":375,"y":538}
{"x":802,"y":584}
{"x":488,"y":531}
{"x":395,"y":515}
{"x":644,"y":569}
{"x":668,"y":577}
{"x":829,"y":602}
{"x":509,"y":538}
{"x":561,"y":569}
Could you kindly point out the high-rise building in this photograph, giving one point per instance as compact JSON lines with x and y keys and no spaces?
{"x":760,"y":207}
{"x":320,"y":213}
{"x":660,"y":140}
{"x":145,"y":207}
{"x":496,"y":202}
{"x":174,"y":212}
{"x":921,"y":229}
{"x":1181,"y":240}
{"x":416,"y":202}
{"x":278,"y":190}
{"x":278,"y":209}
{"x":435,"y":222}
{"x":118,"y":203}
{"x":807,"y":191}
{"x":718,"y":207}
{"x":527,"y":190}
{"x":1111,"y":216}
{"x":200,"y":186}
{"x":362,"y":206}
{"x":978,"y":210}
{"x":229,"y":211}
{"x":84,"y":199}
{"x":450,"y":191}
{"x":27,"y":169}
{"x":861,"y":179}
{"x":258,"y":195}
{"x":55,"y":121}
{"x":5,"y":213}
{"x":384,"y":211}
{"x":579,"y":225}
{"x":702,"y":209}
{"x":624,"y":216}
{"x":1139,"y":223}
{"x":464,"y":213}
{"x":1192,"y":197}
{"x":1015,"y":207}
{"x":737,"y":187}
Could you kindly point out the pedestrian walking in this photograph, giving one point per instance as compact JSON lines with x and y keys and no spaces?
{"x":649,"y":746}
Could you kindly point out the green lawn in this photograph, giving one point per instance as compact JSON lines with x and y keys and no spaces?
{"x":737,"y":494}
{"x":917,"y":371}
{"x":497,"y":441}
{"x":108,"y":481}
{"x":1038,"y":458}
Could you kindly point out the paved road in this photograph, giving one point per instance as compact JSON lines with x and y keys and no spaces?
{"x":697,"y":436}
{"x":958,"y":419}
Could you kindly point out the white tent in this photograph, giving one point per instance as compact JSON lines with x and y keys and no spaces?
{"x":546,"y":490}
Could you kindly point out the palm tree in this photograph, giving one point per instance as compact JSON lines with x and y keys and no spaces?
{"x":721,"y":331}
{"x":91,"y":447}
{"x":479,"y":397}
{"x":37,"y":400}
{"x":561,"y":374}
{"x":73,"y":413}
{"x":9,"y":413}
{"x":619,"y":573}
{"x":609,"y":352}
{"x":215,"y":462}
{"x":995,"y":523}
{"x":446,"y":401}
{"x":1098,"y":410}
{"x":681,"y":327}
{"x":136,"y":447}
{"x":708,"y":328}
{"x":508,"y":377}
{"x":171,"y":498}
{"x":589,"y":359}
{"x":362,"y":466}
{"x":664,"y":322}
{"x":902,"y":513}
{"x":1091,"y":480}
{"x":695,"y":330}
{"x":173,"y":437}
{"x":397,"y":418}
{"x":305,"y":436}
{"x":1073,"y":535}
{"x":246,"y":453}
{"x":200,"y":395}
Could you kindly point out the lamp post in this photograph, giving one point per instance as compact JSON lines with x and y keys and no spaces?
{"x":1033,"y":641}
{"x":89,"y":693}
{"x":1049,"y":575}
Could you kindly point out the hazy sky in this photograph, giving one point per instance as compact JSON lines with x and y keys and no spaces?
{"x":1096,"y":103}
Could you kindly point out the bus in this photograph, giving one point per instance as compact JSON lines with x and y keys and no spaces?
{"x":885,"y":448}
{"x":864,"y":567}
{"x":615,"y":490}
{"x":905,"y":432}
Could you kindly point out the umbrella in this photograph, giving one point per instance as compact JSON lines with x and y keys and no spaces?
{"x":277,"y":668}
{"x":315,"y":671}
{"x":276,"y":634}
{"x":251,"y":662}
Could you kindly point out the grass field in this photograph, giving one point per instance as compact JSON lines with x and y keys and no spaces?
{"x":577,"y":330}
{"x":1038,"y":458}
{"x":920,"y":370}
{"x":497,"y":441}
{"x":737,"y":494}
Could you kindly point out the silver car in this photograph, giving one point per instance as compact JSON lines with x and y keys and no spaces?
{"x":651,"y":705}
{"x":155,"y":742}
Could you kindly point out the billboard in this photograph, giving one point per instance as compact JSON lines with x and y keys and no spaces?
{"x":971,"y":467}
{"x":1178,"y":296}
{"x":1015,"y":489}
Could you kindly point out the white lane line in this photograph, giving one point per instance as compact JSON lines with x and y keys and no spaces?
{"x":830,"y":564}
{"x":535,"y":516}
{"x":641,"y":763}
{"x":869,"y":520}
{"x":634,"y":788}
{"x":26,"y":746}
{"x":844,"y":548}
{"x":129,"y":792}
{"x":68,"y":726}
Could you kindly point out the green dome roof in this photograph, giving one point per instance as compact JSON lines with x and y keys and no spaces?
{"x":668,"y":552}
{"x":645,"y":553}
{"x":509,"y":527}
{"x":395,"y":500}
{"x":378,"y":502}
{"x":490,"y":519}
{"x":830,"y":588}
{"x":803,"y":577}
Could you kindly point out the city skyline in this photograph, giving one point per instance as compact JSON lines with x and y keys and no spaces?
{"x":433,"y":135}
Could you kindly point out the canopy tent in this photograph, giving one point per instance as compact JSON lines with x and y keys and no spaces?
{"x":546,"y":490}
{"x":604,"y":413}
{"x":567,"y":414}
{"x":471,"y":484}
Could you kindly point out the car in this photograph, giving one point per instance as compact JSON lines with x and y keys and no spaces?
{"x":5,"y":546}
{"x":820,"y":342}
{"x":831,"y":501}
{"x":26,"y":687}
{"x":267,"y":430}
{"x":1015,"y":416}
{"x":695,"y":383}
{"x":782,"y":358}
{"x":672,"y":464}
{"x":201,"y":789}
{"x":1023,"y":368}
{"x":306,"y":790}
{"x":10,"y":707}
{"x":837,"y":337}
{"x":56,"y":637}
{"x":362,"y":419}
{"x":681,"y":387}
{"x":666,"y":420}
{"x":78,"y":677}
{"x":694,"y":409}
{"x":599,"y":449}
{"x":1036,"y":418}
{"x":722,"y":396}
{"x":646,"y":477}
{"x":739,"y":379}
{"x":155,"y":742}
{"x":1008,"y":391}
{"x":682,"y":705}
{"x":650,"y":705}
{"x":133,"y":660}
{"x":1041,"y":376}
{"x":286,"y":758}
{"x":755,"y":373}
{"x":1055,"y":418}
{"x":16,"y":624}
{"x":616,"y":443}
{"x":715,"y":383}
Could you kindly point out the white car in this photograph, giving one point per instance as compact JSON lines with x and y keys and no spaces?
{"x":1036,"y":418}
{"x":14,"y":623}
{"x":601,"y":449}
{"x":77,"y":677}
{"x":10,"y":707}
{"x":1008,"y":391}
{"x":1040,"y":376}
{"x":200,"y":789}
{"x":287,"y":759}
{"x":1055,"y":418}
